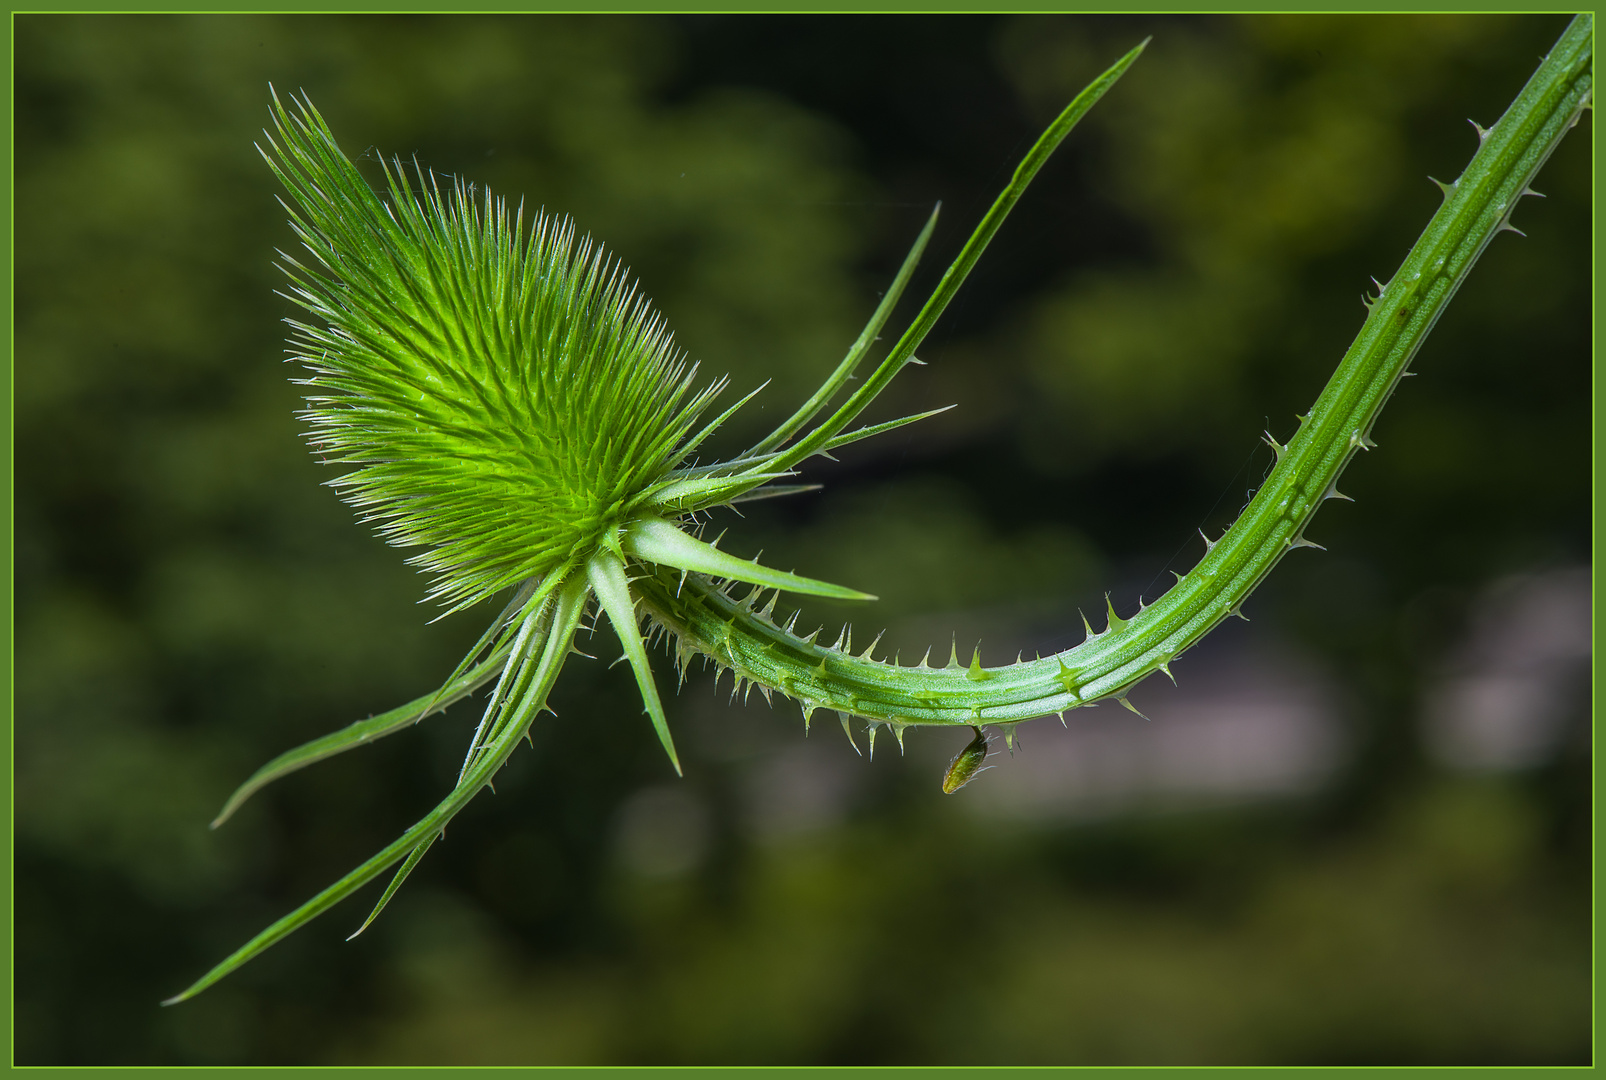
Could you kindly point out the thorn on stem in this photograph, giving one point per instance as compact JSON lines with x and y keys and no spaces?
{"x":1128,"y":705}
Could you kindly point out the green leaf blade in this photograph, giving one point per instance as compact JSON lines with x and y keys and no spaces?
{"x":555,"y":650}
{"x":363,"y":732}
{"x":658,"y":541}
{"x":607,"y":576}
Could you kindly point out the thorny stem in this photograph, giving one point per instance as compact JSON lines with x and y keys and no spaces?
{"x":1477,"y":206}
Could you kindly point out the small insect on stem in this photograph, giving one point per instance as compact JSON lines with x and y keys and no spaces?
{"x":964,"y":768}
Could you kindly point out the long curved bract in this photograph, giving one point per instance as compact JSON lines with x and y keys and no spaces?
{"x":554,"y":626}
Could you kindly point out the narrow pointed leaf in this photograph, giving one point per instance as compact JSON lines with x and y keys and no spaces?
{"x":656,"y":540}
{"x":364,"y":732}
{"x":507,"y":687}
{"x":715,"y":468}
{"x":571,"y":605}
{"x":903,"y":352}
{"x":495,"y":632}
{"x":880,"y":429}
{"x":685,"y":496}
{"x":776,"y":491}
{"x":396,"y":883}
{"x":715,"y":424}
{"x":607,"y":576}
{"x":822,"y":397}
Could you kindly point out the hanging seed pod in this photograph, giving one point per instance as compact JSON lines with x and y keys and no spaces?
{"x":964,"y":767}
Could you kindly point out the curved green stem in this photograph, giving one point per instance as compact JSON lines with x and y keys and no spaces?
{"x":1107,"y":664}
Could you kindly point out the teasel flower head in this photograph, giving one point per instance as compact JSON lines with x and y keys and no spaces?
{"x":507,"y":397}
{"x":504,"y":400}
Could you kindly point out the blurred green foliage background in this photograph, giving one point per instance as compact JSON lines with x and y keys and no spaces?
{"x":190,"y":601}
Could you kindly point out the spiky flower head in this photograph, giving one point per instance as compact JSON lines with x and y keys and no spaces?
{"x":506,"y":394}
{"x":511,"y":404}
